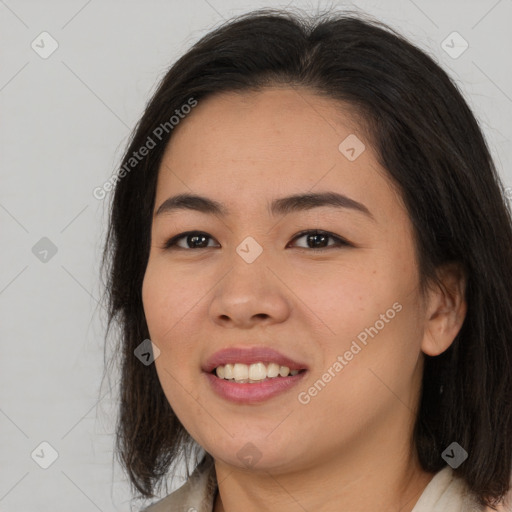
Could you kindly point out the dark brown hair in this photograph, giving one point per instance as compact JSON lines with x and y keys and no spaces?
{"x":430,"y":143}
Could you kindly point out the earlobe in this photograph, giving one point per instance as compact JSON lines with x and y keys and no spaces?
{"x":446,"y":309}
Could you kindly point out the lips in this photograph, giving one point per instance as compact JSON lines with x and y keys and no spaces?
{"x":249,"y":356}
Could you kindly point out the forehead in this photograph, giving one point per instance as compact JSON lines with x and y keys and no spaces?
{"x":252,"y":146}
{"x":253,"y":123}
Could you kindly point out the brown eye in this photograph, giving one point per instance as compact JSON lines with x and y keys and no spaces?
{"x":318,"y":240}
{"x":193,"y":239}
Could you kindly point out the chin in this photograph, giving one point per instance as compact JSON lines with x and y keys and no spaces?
{"x":255,"y":452}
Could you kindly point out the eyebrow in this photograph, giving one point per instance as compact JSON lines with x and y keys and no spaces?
{"x":282,"y":206}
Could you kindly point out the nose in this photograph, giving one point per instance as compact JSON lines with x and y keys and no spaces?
{"x":250,"y":294}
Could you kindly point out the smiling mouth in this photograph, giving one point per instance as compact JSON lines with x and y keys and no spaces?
{"x":254,"y":373}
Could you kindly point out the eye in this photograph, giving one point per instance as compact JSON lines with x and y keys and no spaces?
{"x":195,"y":238}
{"x":319,"y":240}
{"x":198,"y":240}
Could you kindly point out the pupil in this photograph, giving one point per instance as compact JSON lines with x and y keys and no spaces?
{"x":315,"y":244}
{"x":194,"y":238}
{"x":317,"y":240}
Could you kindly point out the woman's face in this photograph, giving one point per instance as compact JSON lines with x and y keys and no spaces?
{"x":349,"y":314}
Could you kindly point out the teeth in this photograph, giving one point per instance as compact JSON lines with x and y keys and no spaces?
{"x":228,"y":371}
{"x":272,"y":370}
{"x":256,"y":372}
{"x":240,"y":371}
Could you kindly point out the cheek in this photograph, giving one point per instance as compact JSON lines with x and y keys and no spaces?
{"x":165,"y":295}
{"x":375,"y":304}
{"x":153,"y":294}
{"x":164,"y":305}
{"x":170,"y":301}
{"x":378,"y":360}
{"x":344,"y":295}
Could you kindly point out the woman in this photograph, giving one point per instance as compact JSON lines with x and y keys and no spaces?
{"x":310,"y":259}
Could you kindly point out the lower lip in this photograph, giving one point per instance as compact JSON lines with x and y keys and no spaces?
{"x":252,"y":393}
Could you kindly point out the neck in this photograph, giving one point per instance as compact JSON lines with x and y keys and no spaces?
{"x":377,"y":472}
{"x":378,"y":489}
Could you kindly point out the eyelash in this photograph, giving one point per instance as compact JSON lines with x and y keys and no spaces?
{"x":340,"y":242}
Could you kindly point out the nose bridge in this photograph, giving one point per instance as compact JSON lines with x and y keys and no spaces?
{"x":249,"y":289}
{"x":248,"y":265}
{"x":250,"y":233}
{"x":250,"y":250}
{"x":256,"y":252}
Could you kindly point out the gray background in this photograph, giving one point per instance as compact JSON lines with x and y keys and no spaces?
{"x":64,"y":123}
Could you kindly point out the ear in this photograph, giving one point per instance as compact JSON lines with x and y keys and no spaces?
{"x":446,"y":309}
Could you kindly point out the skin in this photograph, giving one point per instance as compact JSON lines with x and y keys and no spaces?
{"x":350,"y":447}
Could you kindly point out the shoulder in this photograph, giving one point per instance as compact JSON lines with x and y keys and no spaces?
{"x":197,"y":493}
{"x":506,"y":504}
{"x":447,"y":492}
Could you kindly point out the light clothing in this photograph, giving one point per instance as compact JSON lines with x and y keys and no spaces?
{"x":444,"y":493}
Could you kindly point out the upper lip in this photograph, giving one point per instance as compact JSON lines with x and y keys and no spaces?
{"x":250,"y":355}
